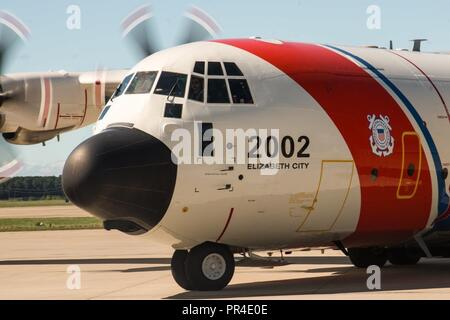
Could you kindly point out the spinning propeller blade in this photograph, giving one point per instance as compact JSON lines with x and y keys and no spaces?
{"x":139,"y":27}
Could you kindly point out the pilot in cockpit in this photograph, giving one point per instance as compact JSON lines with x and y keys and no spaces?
{"x":196,"y":89}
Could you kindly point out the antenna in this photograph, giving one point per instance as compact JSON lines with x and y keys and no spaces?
{"x":417,"y":44}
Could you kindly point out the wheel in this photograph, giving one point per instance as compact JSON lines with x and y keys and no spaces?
{"x":178,"y":267}
{"x":365,"y":257}
{"x":403,"y":257}
{"x":210,"y":266}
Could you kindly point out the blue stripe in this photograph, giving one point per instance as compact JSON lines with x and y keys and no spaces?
{"x":443,"y":197}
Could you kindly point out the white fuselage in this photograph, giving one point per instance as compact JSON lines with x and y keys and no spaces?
{"x":321,"y":193}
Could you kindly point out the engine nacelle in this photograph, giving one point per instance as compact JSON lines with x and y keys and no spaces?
{"x":36,"y":108}
{"x":25,"y":137}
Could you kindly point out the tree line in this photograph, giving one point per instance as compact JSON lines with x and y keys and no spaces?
{"x":32,"y":188}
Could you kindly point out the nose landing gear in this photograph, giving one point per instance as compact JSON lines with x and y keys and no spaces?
{"x":207,"y":267}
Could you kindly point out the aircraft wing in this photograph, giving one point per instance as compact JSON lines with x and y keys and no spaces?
{"x":36,"y":107}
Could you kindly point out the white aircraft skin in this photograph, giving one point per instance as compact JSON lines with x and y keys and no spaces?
{"x":274,"y":206}
{"x":258,"y":200}
{"x":327,"y":192}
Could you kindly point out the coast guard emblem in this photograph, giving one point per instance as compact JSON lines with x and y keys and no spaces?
{"x":381,"y":141}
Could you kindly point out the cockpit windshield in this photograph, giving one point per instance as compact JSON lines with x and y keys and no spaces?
{"x":171,"y":83}
{"x":142,"y":82}
{"x":224,"y":88}
{"x":121,"y":88}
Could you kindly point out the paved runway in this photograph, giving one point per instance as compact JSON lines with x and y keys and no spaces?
{"x":42,"y":212}
{"x":33,"y":265}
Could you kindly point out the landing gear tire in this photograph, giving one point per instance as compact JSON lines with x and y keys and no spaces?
{"x":178,"y":267}
{"x":210,"y":266}
{"x":403,"y":257}
{"x":365,"y":257}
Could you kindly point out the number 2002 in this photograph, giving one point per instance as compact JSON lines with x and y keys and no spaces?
{"x":271,"y":146}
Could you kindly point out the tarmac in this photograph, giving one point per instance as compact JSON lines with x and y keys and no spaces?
{"x":34,"y":265}
{"x":42,"y":212}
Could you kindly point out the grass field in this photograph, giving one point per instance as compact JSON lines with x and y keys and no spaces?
{"x":32,"y":203}
{"x":40,"y":224}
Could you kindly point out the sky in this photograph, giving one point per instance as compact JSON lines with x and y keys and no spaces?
{"x":98,"y":42}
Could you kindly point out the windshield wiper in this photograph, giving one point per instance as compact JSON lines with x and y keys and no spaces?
{"x":115,"y":92}
{"x":171,"y":91}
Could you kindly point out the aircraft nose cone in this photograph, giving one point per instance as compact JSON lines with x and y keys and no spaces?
{"x":124,"y":176}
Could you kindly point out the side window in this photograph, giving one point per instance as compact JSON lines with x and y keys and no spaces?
{"x":142,"y":82}
{"x":217,"y":91}
{"x":240,"y":91}
{"x":215,"y":69}
{"x":121,"y":88}
{"x":232,"y":69}
{"x":199,"y":67}
{"x":171,"y":83}
{"x":196,"y":89}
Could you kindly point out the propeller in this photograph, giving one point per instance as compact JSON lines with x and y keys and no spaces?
{"x":199,"y":26}
{"x":12,"y":32}
{"x":9,"y":164}
{"x":140,"y":28}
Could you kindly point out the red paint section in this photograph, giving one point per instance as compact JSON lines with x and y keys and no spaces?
{"x":348,"y":94}
{"x":226,"y":225}
{"x":47,"y":97}
{"x":411,"y":161}
{"x":446,"y":215}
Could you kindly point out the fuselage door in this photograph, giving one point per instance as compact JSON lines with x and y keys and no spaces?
{"x":333,"y":189}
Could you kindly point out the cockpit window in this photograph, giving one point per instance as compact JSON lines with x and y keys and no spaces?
{"x":217,"y":91}
{"x":221,"y":88}
{"x":121,"y":88}
{"x":142,"y":82}
{"x":171,"y":83}
{"x":196,"y":89}
{"x":240,"y":92}
{"x":199,"y":67}
{"x":232,"y":69}
{"x":215,"y":69}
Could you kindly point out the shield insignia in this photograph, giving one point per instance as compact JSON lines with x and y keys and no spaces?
{"x":381,"y":140}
